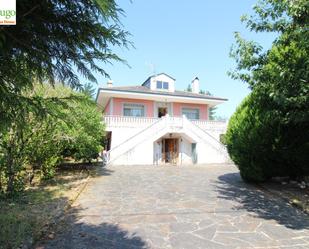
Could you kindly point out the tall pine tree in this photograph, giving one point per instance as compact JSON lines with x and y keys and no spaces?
{"x":53,"y":41}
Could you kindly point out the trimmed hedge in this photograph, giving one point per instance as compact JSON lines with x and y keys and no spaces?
{"x":262,"y":145}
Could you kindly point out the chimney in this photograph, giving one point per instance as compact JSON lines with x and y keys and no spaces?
{"x":110,"y":83}
{"x":195,"y":85}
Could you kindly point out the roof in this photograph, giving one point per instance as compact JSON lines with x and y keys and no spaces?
{"x":157,"y":75}
{"x":146,"y":90}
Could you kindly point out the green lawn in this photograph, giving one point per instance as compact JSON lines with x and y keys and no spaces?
{"x":30,"y":215}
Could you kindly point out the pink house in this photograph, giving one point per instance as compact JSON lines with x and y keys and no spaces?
{"x":153,"y":123}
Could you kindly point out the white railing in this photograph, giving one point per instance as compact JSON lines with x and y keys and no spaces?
{"x":174,"y":122}
{"x":123,"y":121}
{"x":211,"y":125}
{"x":140,"y":122}
{"x":157,"y":126}
{"x":204,"y":135}
{"x":134,"y":140}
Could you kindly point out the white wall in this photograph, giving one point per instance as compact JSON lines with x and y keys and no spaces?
{"x":185,"y":151}
{"x":149,"y":152}
{"x":207,"y":154}
{"x":208,"y":149}
{"x":162,"y":104}
{"x":119,"y":135}
{"x":157,"y":152}
{"x":162,"y":77}
{"x":139,"y":155}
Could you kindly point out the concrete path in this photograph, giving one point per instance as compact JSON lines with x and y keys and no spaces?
{"x":179,"y":207}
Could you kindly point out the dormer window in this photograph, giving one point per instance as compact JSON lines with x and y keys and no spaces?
{"x":162,"y":85}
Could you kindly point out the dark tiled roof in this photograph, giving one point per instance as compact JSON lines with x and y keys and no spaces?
{"x":143,"y":89}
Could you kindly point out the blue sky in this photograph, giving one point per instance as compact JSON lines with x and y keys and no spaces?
{"x":184,"y":39}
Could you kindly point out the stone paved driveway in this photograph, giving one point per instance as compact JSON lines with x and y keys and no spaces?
{"x":179,"y":207}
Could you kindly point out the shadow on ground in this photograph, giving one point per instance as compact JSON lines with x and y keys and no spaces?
{"x":78,"y":234}
{"x":69,"y":173}
{"x":94,"y":166}
{"x":231,"y":187}
{"x":103,"y":171}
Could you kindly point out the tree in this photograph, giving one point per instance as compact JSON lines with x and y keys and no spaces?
{"x":279,"y":79}
{"x":212,"y":113}
{"x":212,"y":110}
{"x":52,"y":42}
{"x":247,"y":141}
{"x":84,"y":131}
{"x":69,"y":126}
{"x":88,"y":90}
{"x":19,"y":143}
{"x":189,"y":88}
{"x":202,"y":92}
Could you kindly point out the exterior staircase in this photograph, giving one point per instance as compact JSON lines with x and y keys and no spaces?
{"x":158,"y":128}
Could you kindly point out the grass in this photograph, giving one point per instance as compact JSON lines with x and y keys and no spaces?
{"x":29,"y":216}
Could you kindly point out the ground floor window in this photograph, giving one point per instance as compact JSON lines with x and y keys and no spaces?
{"x":133,"y":110}
{"x":191,"y":113}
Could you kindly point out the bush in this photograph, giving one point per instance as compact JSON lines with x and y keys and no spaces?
{"x":84,"y":131}
{"x":242,"y":143}
{"x":67,"y":124}
{"x":262,"y":145}
{"x":269,"y":133}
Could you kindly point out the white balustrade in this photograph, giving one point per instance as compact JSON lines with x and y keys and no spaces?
{"x":152,"y":126}
{"x":140,"y":122}
{"x":211,"y":125}
{"x":130,"y":122}
{"x":131,"y":142}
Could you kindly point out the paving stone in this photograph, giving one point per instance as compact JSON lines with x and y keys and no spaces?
{"x":207,"y":233}
{"x":135,"y":207}
{"x":292,"y":242}
{"x":190,"y":241}
{"x":231,"y":242}
{"x":183,"y":227}
{"x":276,"y":232}
{"x":227,"y":227}
{"x":206,"y":223}
{"x":251,"y":239}
{"x":247,"y":226}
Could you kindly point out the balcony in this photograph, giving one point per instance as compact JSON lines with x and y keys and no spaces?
{"x":143,"y":122}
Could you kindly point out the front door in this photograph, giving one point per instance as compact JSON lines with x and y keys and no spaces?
{"x":170,"y":150}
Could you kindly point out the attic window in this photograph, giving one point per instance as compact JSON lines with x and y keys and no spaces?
{"x":162,"y":85}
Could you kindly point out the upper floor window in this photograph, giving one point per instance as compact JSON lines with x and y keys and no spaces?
{"x":162,"y":85}
{"x":191,"y":113}
{"x":133,"y":110}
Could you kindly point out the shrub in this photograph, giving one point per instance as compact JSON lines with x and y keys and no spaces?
{"x":84,"y":131}
{"x":262,"y":145}
{"x":268,"y":135}
{"x":243,"y":144}
{"x":68,"y":124}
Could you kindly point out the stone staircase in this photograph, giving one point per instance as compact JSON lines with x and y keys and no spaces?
{"x":159,"y":128}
